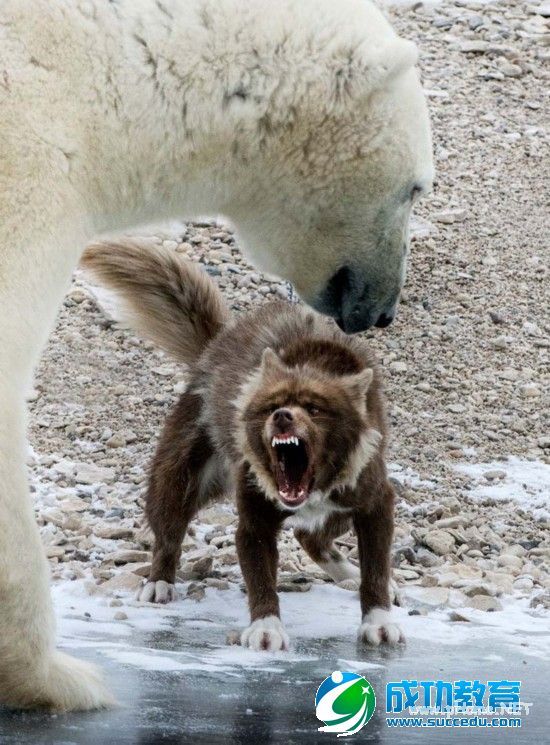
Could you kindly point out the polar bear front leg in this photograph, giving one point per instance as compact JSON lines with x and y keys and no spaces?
{"x":33,"y":277}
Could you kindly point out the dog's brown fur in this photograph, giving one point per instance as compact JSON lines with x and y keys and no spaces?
{"x":244,"y":373}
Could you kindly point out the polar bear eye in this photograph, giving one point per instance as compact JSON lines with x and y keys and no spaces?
{"x":416,"y":191}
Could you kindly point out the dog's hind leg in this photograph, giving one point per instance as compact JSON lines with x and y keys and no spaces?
{"x":38,"y":249}
{"x":319,"y":545}
{"x":186,"y":474}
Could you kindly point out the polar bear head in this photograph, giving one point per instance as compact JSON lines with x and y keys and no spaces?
{"x":346,"y":151}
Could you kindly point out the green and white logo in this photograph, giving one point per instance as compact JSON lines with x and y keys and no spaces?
{"x":345,"y":702}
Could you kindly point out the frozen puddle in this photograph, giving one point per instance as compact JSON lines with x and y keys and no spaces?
{"x":178,"y":682}
{"x":525,"y":482}
{"x":186,"y":635}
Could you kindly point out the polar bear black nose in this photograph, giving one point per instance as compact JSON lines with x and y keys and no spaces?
{"x":348,"y":299}
{"x":384,"y":321}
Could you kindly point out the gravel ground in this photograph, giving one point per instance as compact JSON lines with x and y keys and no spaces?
{"x":466,"y":362}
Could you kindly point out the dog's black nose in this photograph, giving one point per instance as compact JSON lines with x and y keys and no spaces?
{"x":282,"y":417}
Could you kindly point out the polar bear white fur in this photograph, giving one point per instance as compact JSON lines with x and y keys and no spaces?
{"x":302,"y":121}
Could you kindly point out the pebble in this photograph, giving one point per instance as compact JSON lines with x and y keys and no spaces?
{"x":113,"y":531}
{"x":510,"y":561}
{"x":116,"y":441}
{"x":398,"y":367}
{"x":127,"y":556}
{"x":439,"y":541}
{"x":196,"y":570}
{"x":88,"y":473}
{"x":484,"y":603}
{"x":233,"y":638}
{"x":123,"y":582}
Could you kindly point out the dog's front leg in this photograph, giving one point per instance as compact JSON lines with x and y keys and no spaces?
{"x":259,"y":522}
{"x":374,"y":529}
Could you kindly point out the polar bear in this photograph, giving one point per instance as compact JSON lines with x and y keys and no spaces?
{"x":302,"y":121}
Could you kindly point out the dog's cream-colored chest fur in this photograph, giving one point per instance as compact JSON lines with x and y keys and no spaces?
{"x":313,"y":514}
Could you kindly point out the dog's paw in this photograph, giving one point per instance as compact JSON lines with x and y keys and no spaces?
{"x":378,"y":627}
{"x":349,"y":584}
{"x":265,"y":633}
{"x":156,"y":592}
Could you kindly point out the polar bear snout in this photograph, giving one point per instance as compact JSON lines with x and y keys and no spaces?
{"x":352,"y":302}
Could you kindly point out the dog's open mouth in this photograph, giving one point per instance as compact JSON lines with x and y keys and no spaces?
{"x":293,"y":468}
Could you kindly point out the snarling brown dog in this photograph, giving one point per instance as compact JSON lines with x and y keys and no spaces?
{"x":283,"y":407}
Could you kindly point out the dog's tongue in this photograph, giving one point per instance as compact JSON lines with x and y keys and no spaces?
{"x":290,"y":493}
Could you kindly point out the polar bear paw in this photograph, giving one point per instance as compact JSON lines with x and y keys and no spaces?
{"x":377,"y":627}
{"x":266,"y":634}
{"x":60,"y":684}
{"x":157,"y":592}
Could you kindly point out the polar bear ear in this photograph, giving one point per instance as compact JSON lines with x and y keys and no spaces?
{"x":391,"y":61}
{"x":369,"y":70}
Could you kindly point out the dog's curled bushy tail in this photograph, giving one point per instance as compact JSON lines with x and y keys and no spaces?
{"x":165,"y":298}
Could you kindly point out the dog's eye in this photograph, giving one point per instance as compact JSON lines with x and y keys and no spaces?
{"x":312,"y":410}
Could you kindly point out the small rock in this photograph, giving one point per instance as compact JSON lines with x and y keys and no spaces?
{"x":494,"y":475}
{"x":127,"y":556}
{"x":116,"y":441}
{"x":426,"y":558}
{"x":484,"y":603}
{"x":217,"y":516}
{"x":196,"y":570}
{"x":73,"y":505}
{"x":113,"y":532}
{"x":233,"y":638}
{"x":123,"y":582}
{"x":480,"y":588}
{"x":530,"y":390}
{"x":523,"y":584}
{"x":439,"y":541}
{"x":509,"y":560}
{"x":88,"y":473}
{"x":294,"y":587}
{"x":449,"y":217}
{"x":398,"y":367}
{"x":120,"y":616}
{"x":434,"y":597}
{"x":196,"y":592}
{"x":55,"y":552}
{"x":541,"y":600}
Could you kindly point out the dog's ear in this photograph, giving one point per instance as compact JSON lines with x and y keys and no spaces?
{"x":271,"y":363}
{"x":358,"y":384}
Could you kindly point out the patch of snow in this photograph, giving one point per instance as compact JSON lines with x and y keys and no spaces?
{"x":526,"y":482}
{"x":408,"y":477}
